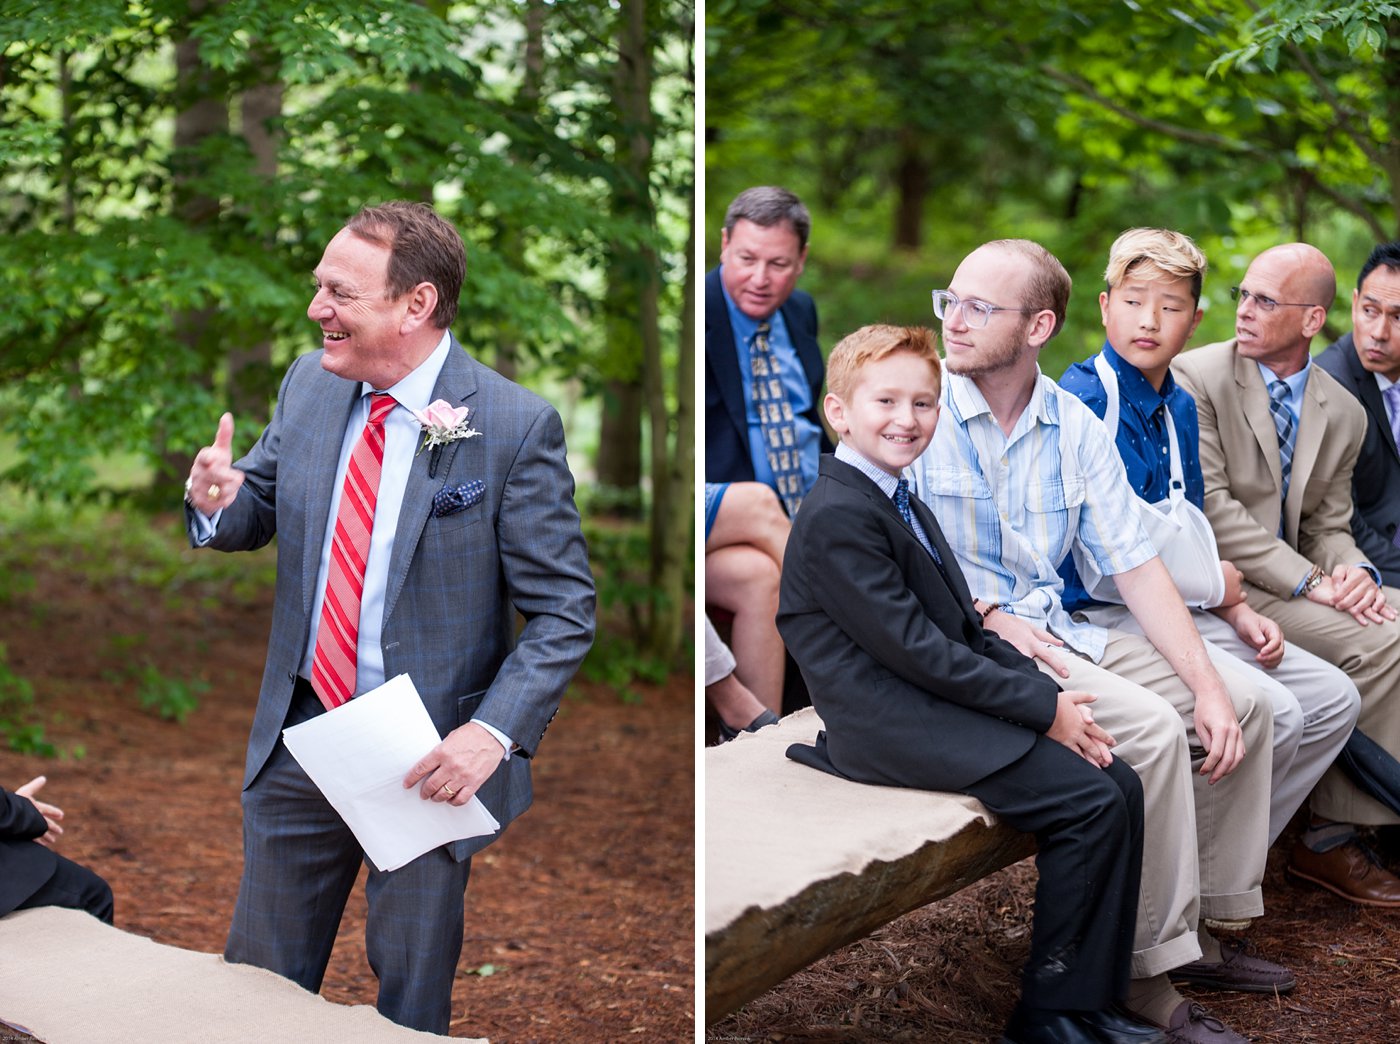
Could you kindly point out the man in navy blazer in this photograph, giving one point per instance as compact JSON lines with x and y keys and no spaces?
{"x":1365,"y":361}
{"x":763,"y":251}
{"x":31,"y":872}
{"x":466,"y":536}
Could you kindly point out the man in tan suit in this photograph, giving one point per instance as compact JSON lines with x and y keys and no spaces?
{"x":1279,"y":440}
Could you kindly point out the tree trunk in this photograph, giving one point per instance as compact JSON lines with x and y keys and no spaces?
{"x":632,"y":289}
{"x":250,"y":368}
{"x":510,"y":238}
{"x":673,"y":516}
{"x":201,"y":112}
{"x":1390,"y":103}
{"x":912,"y":185}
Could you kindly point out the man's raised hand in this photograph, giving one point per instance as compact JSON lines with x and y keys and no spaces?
{"x":214,"y":481}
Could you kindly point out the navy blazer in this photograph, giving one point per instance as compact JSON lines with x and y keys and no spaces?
{"x":726,"y":419}
{"x":913,"y":690}
{"x":1375,"y":483}
{"x":456,"y":581}
{"x":25,"y":867}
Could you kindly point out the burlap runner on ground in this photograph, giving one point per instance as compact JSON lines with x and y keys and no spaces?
{"x":67,"y":978}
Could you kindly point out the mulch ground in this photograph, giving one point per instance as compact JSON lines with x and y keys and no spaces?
{"x":949,"y":972}
{"x":580,"y":920}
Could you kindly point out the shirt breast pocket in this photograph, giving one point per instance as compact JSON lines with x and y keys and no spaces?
{"x":1058,"y":496}
{"x":944,"y":480}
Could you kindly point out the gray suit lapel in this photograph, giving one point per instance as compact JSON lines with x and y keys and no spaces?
{"x":329,"y":417}
{"x":456,"y":384}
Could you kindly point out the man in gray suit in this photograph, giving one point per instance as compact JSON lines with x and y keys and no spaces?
{"x":1367,"y":363}
{"x":396,"y":555}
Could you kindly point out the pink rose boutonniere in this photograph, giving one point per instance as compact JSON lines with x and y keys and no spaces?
{"x":443,"y":423}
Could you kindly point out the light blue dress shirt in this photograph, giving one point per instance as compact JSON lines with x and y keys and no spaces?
{"x":1014,"y":506}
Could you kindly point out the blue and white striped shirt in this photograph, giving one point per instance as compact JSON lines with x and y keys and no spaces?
{"x":1012,"y":507}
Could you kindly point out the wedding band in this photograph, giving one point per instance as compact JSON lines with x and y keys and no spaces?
{"x":213,"y":491}
{"x":448,"y":790}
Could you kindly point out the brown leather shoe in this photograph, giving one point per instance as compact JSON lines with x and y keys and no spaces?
{"x":1237,"y":969}
{"x":1348,"y":870}
{"x":1191,"y":1024}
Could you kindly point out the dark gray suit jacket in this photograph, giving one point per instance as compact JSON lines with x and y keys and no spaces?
{"x":455,"y":582}
{"x":1375,"y":483}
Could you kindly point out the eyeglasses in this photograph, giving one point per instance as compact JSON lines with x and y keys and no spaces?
{"x":1266,"y":304}
{"x":975,"y":313}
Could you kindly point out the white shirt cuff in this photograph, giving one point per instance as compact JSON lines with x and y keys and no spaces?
{"x":504,"y":740}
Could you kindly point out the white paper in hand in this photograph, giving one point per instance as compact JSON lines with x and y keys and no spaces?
{"x":358,"y":755}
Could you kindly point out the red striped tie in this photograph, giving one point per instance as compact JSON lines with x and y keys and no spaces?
{"x":333,"y":665}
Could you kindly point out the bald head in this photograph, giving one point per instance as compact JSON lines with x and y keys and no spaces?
{"x":1286,"y":294}
{"x":1315,"y":278}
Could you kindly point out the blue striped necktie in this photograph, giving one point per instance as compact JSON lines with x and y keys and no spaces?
{"x":901,"y":501}
{"x":1286,"y":426}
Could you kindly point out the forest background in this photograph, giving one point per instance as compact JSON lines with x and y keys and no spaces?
{"x":170,"y":171}
{"x":916,"y":132}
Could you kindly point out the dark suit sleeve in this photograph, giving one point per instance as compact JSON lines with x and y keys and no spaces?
{"x":1373,"y":478}
{"x":863,"y":590}
{"x":1377,"y":548}
{"x":545,"y":564}
{"x":19,"y":819}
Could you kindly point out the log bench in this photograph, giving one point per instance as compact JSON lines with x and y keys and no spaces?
{"x":799,"y":863}
{"x":67,"y":978}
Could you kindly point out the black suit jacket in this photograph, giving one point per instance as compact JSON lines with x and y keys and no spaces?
{"x":1375,"y":483}
{"x":912,"y":689}
{"x":25,"y":867}
{"x":726,"y":421}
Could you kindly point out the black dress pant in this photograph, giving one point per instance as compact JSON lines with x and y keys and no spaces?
{"x":1087,"y":823}
{"x":75,"y":887}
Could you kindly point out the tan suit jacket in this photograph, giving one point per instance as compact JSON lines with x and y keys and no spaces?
{"x":1240,"y":461}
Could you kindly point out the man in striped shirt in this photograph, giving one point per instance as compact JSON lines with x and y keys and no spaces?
{"x":1020,"y":473}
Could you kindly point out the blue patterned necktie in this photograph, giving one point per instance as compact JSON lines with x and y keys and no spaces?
{"x":1392,"y":410}
{"x":901,"y":501}
{"x":1287,"y":428}
{"x":775,"y":418}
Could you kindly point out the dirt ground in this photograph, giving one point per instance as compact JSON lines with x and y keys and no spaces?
{"x":580,"y":920}
{"x":949,"y":972}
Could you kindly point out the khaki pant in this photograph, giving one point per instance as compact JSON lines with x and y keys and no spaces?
{"x":1205,"y":845}
{"x":1315,"y":706}
{"x":1370,"y":656}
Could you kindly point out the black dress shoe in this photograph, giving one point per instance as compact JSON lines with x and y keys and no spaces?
{"x":728,"y":732}
{"x":1040,"y":1026}
{"x":1115,"y":1028}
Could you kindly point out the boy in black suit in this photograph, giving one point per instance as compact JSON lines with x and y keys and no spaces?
{"x":31,"y":873}
{"x":915,"y":693}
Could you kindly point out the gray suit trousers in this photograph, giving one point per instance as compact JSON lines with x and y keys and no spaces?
{"x":300,"y":862}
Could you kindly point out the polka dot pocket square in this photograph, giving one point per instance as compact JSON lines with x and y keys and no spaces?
{"x":451,"y":499}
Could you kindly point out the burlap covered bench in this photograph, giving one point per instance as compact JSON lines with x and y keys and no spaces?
{"x":67,"y":978}
{"x":799,"y":863}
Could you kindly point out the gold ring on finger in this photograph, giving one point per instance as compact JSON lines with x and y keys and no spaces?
{"x":213,"y":491}
{"x":448,"y":791}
